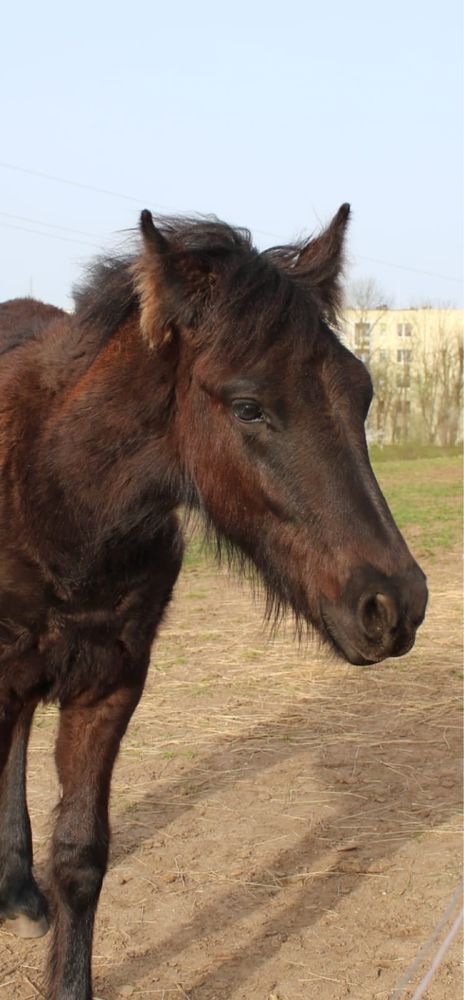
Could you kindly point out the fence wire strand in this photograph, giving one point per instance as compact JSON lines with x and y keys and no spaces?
{"x":427,"y":948}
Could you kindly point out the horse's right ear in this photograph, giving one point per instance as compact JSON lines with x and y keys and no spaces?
{"x":152,"y":237}
{"x":156,"y":282}
{"x":172,"y":284}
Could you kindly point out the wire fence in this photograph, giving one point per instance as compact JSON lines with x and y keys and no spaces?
{"x":427,"y":949}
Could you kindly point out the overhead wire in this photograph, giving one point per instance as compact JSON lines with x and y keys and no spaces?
{"x":51,"y":236}
{"x":73,"y":183}
{"x":48,"y":225}
{"x":165,"y":208}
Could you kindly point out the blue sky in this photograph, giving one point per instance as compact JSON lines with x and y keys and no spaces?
{"x":266,"y":114}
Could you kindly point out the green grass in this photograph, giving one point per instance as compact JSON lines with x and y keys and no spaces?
{"x":196,"y":554}
{"x":425,"y":497}
{"x":424,"y":494}
{"x":400,"y":452}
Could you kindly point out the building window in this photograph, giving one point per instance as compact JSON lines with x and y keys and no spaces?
{"x":362,"y":335}
{"x":403,"y":356}
{"x":404,"y":329}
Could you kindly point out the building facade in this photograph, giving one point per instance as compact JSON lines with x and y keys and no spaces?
{"x":415,"y":357}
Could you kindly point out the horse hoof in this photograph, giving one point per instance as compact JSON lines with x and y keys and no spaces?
{"x":24,"y":927}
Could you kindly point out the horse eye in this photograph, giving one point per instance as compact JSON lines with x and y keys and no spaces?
{"x":247,"y":410}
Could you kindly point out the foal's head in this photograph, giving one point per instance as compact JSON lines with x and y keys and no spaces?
{"x":269,"y":426}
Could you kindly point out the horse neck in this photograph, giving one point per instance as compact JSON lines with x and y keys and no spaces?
{"x":112,"y":444}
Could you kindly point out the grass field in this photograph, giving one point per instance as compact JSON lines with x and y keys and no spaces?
{"x":425,"y":497}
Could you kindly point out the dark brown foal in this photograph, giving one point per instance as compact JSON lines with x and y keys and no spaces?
{"x":197,"y":372}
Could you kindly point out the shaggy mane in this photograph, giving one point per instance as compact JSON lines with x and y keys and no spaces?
{"x":260,"y":292}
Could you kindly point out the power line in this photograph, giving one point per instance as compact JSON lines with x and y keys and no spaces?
{"x":165,"y":208}
{"x":79,"y":184}
{"x":48,"y":225}
{"x":50,"y":236}
{"x":405,"y":267}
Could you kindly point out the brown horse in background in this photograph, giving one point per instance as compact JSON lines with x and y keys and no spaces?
{"x":197,"y":372}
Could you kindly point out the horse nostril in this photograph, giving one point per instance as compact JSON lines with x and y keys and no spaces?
{"x":378,"y":614}
{"x":390,"y":609}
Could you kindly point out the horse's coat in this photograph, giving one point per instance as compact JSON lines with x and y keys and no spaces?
{"x":198,"y":372}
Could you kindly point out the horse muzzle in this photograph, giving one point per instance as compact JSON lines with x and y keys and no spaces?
{"x":375,"y":616}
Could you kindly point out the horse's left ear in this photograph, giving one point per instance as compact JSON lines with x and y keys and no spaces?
{"x":321,"y":261}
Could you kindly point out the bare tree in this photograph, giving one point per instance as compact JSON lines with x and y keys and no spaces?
{"x":364,"y":294}
{"x":368,"y":302}
{"x":418,"y":384}
{"x":383,"y":407}
{"x":371,"y":303}
{"x":438,"y":382}
{"x":389,"y":418}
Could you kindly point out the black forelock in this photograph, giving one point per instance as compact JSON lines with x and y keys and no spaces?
{"x":253,"y":297}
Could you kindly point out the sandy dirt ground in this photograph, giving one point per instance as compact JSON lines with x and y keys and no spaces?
{"x":284,"y":828}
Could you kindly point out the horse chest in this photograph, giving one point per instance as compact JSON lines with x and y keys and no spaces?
{"x":61,"y":645}
{"x":65,"y":654}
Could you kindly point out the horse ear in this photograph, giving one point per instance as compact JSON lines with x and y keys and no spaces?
{"x":151,"y":235}
{"x":155,"y":282}
{"x":321,"y":260}
{"x":172,"y":284}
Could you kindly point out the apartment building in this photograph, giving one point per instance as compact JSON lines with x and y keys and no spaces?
{"x":415,"y":357}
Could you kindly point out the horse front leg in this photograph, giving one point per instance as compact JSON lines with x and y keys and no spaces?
{"x":88,"y":739}
{"x":22,"y":906}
